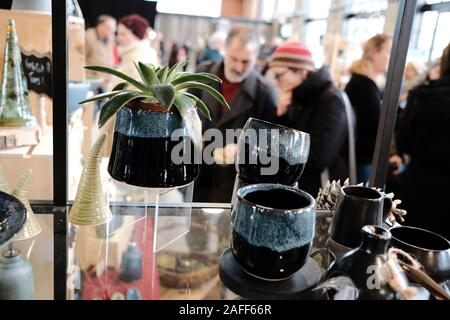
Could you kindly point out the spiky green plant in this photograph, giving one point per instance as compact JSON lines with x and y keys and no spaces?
{"x":157,"y":85}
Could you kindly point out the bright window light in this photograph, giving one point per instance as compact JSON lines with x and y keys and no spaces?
{"x":208,"y":8}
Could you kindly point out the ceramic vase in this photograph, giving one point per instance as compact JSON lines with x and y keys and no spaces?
{"x":16,"y":278}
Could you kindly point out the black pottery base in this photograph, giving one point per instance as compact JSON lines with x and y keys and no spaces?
{"x":299,"y":286}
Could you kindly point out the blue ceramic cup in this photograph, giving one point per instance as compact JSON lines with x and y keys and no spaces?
{"x":272,"y":230}
{"x":270,"y":153}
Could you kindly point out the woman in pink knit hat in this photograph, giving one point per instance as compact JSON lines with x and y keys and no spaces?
{"x":308,"y":101}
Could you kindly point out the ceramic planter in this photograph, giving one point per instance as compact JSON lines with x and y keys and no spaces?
{"x":142,"y":148}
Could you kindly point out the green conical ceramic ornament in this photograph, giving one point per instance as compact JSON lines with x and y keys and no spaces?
{"x":15,"y":108}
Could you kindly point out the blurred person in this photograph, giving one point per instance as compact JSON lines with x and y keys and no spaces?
{"x":214,"y":49}
{"x":263,"y":62}
{"x":133,"y":44}
{"x":415,"y":73}
{"x":178,"y":53}
{"x":308,"y":101}
{"x":424,"y":136}
{"x":100,"y":44}
{"x":248,"y":95}
{"x":366,"y":96}
{"x":434,"y":72}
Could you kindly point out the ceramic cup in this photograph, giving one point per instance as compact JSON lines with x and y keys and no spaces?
{"x":430,"y":249}
{"x":270,"y":153}
{"x":356,"y":207}
{"x":272,"y":230}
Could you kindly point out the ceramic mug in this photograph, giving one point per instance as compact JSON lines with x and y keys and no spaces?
{"x":357,"y":206}
{"x":272,"y":230}
{"x":430,"y":249}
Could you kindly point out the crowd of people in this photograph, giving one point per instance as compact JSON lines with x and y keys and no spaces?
{"x":293,"y":92}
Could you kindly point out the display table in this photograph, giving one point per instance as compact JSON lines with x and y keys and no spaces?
{"x":187,"y":268}
{"x":89,"y":264}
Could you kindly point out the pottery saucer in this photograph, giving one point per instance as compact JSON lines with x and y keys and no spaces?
{"x":245,"y":285}
{"x":12,"y":216}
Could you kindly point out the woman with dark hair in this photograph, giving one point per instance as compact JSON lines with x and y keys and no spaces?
{"x":178,"y":53}
{"x":424,"y":135}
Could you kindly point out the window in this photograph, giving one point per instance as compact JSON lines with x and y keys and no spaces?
{"x":208,"y":8}
{"x":276,"y":8}
{"x":368,"y":21}
{"x":316,"y":29}
{"x":433,"y":35}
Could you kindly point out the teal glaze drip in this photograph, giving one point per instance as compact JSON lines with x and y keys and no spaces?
{"x":147,"y":124}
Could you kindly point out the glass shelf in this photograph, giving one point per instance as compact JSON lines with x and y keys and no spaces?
{"x":101,"y":267}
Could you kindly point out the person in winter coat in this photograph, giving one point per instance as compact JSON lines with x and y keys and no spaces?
{"x":308,"y":101}
{"x":425,"y":137}
{"x":366,"y":96}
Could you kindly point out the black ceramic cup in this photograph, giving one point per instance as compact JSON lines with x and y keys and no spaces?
{"x":357,"y":206}
{"x":430,"y":249}
{"x":272,"y":230}
{"x":270,"y":153}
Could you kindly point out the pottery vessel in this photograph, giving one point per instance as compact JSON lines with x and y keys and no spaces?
{"x":272,"y":230}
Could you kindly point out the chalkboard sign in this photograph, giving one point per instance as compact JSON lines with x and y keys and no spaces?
{"x":38,"y":72}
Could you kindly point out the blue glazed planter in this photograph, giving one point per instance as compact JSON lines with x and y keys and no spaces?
{"x":272,"y":230}
{"x":142,"y":149}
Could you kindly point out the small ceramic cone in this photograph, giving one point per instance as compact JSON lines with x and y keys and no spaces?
{"x":90,"y":206}
{"x":3,"y":182}
{"x":31,"y":228}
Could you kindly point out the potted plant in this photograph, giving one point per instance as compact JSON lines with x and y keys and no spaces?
{"x":146,"y":119}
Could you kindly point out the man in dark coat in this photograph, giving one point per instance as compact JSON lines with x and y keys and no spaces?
{"x":309,"y":102}
{"x":248,"y":95}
